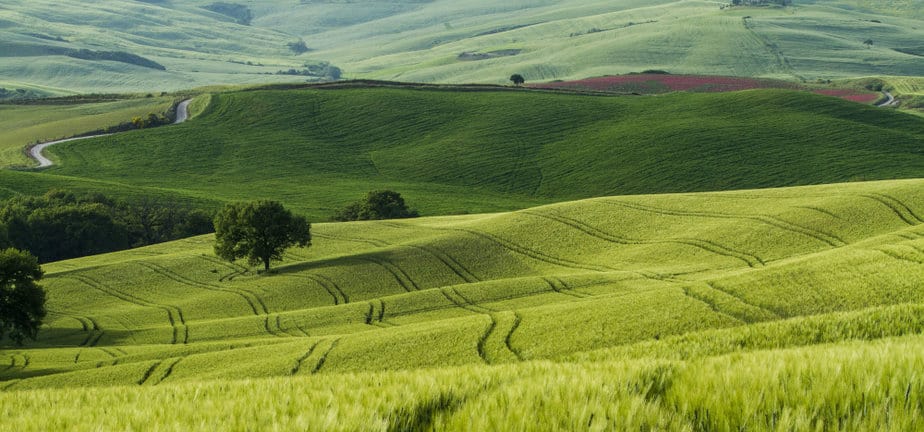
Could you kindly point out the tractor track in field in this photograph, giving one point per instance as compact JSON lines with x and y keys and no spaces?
{"x":236,"y":270}
{"x":177,"y":321}
{"x":253,"y":300}
{"x":905,"y":213}
{"x":901,"y":257}
{"x":371,"y":242}
{"x":453,"y":264}
{"x":377,"y":319}
{"x":150,"y":376}
{"x":403,"y":279}
{"x":821,"y":236}
{"x":299,"y":361}
{"x":35,"y":152}
{"x":709,"y":246}
{"x":322,"y":360}
{"x":730,"y":293}
{"x":330,"y":286}
{"x":559,"y":286}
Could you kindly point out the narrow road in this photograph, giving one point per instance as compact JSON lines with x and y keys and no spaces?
{"x":890,"y":101}
{"x":182,"y":114}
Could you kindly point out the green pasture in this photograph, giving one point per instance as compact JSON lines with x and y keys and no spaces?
{"x":451,"y":152}
{"x":21,"y":125}
{"x":668,"y":311}
{"x":423,"y":41}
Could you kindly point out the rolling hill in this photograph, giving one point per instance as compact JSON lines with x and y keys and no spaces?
{"x":129,"y":46}
{"x":643,"y":310}
{"x":455,"y":150}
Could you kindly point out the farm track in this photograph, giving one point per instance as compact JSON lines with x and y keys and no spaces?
{"x":340,"y":297}
{"x":711,"y":304}
{"x":709,"y":246}
{"x":454,"y":265}
{"x":253,"y":300}
{"x":177,"y":322}
{"x":165,"y":366}
{"x":400,"y":276}
{"x":322,"y":359}
{"x":827,"y":238}
{"x":776,"y":313}
{"x":371,"y":242}
{"x":559,"y":286}
{"x":905,"y":213}
{"x":898,"y":256}
{"x":236,"y":270}
{"x":301,"y":360}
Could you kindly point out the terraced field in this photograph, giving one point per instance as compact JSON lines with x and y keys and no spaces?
{"x":664,"y":297}
{"x":450,"y":150}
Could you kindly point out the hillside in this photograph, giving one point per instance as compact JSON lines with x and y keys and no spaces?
{"x":451,"y":151}
{"x":125,"y":46}
{"x":665,"y":296}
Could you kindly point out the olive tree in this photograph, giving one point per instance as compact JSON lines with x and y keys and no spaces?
{"x":259,"y":231}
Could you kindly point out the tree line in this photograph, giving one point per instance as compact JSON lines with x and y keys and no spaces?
{"x":61,"y":224}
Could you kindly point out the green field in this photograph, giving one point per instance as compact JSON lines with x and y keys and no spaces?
{"x":666,"y":311}
{"x":451,"y":152}
{"x":21,"y":125}
{"x":433,"y":41}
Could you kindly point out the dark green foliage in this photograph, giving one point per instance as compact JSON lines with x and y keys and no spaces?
{"x":517,"y":79}
{"x":298,"y":47}
{"x":61,"y":225}
{"x":377,"y":205}
{"x":22,"y":301}
{"x":259,"y":231}
{"x":116,"y":56}
{"x":241,"y":13}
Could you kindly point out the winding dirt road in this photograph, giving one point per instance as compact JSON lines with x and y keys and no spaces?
{"x":182,"y":114}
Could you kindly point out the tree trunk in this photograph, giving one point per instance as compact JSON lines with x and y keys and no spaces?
{"x":266,"y":262}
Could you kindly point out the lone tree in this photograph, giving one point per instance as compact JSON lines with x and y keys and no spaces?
{"x":259,"y":231}
{"x":517,"y":79}
{"x":868,"y":43}
{"x":22,"y":301}
{"x":377,"y":205}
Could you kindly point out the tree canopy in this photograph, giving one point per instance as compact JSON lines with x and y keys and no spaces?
{"x":259,"y":231}
{"x":61,"y":225}
{"x":22,"y":301}
{"x":377,"y":205}
{"x":517,"y":79}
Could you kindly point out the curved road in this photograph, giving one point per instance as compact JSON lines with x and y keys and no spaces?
{"x":182,"y":114}
{"x":890,"y":100}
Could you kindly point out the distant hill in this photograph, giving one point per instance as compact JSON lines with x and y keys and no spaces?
{"x":204,"y":42}
{"x":469,"y":149}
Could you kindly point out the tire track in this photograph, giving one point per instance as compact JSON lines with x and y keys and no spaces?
{"x":450,"y":262}
{"x":463,"y":302}
{"x":150,"y":371}
{"x":256,"y":304}
{"x":236,"y":270}
{"x":371,"y":242}
{"x":484,"y":340}
{"x":403,"y":279}
{"x":539,"y":256}
{"x":750,"y":259}
{"x":899,"y":256}
{"x":561,"y":287}
{"x":331,"y":287}
{"x":899,"y":208}
{"x":730,"y":293}
{"x":829,"y":239}
{"x":301,"y":360}
{"x":169,"y":371}
{"x":377,"y":319}
{"x":174,"y":313}
{"x":323,"y":359}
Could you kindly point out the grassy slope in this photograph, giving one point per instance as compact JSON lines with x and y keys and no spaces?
{"x":451,"y":152}
{"x":421,"y":41}
{"x":654,"y":290}
{"x":25,"y":124}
